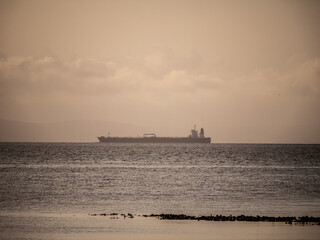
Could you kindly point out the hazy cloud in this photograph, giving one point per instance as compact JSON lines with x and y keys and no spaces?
{"x":22,"y":76}
{"x":34,"y":78}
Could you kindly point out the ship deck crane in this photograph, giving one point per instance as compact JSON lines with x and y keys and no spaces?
{"x":149,"y":135}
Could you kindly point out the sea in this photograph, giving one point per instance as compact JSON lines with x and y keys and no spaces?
{"x":53,"y":190}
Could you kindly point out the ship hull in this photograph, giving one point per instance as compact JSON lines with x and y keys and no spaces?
{"x":153,"y":140}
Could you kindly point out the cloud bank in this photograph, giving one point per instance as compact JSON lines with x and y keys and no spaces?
{"x":160,"y":89}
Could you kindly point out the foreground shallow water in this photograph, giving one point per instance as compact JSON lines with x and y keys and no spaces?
{"x":81,"y":226}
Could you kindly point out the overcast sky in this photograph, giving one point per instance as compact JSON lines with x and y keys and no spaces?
{"x":246,"y":71}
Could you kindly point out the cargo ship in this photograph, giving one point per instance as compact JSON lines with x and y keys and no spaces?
{"x":194,"y":137}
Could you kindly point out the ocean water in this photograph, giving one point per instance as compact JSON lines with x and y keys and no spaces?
{"x":40,"y":181}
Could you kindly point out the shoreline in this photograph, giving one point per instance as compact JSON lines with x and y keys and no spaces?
{"x":218,"y":218}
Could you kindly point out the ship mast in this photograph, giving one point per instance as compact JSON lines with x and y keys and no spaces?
{"x":194,"y":132}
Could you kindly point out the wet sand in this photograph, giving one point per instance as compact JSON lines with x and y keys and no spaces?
{"x":83,"y":226}
{"x":217,"y":231}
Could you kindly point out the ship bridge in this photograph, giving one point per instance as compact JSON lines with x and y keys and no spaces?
{"x":195,"y":134}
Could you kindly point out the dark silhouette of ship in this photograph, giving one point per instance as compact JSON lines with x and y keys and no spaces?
{"x":194,"y":137}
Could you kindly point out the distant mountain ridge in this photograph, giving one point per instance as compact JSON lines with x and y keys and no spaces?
{"x":68,"y":131}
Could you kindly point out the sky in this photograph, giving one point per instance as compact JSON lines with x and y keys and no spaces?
{"x":245,"y":71}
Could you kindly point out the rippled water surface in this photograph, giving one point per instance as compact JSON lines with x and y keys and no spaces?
{"x":157,"y":178}
{"x":193,"y":179}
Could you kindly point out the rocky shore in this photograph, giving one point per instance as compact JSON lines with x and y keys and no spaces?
{"x":230,"y":218}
